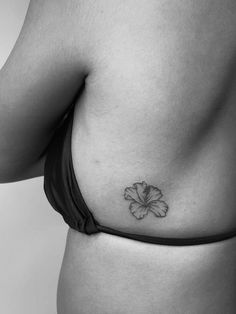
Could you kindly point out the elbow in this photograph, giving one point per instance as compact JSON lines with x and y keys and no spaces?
{"x":9,"y":175}
{"x":12,"y":173}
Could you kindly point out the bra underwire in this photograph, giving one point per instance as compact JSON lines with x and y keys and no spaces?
{"x":63,"y":193}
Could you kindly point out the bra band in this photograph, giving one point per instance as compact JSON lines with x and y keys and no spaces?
{"x":63,"y":193}
{"x":169,"y":241}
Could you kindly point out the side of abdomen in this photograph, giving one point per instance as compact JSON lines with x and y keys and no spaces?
{"x":158,"y":109}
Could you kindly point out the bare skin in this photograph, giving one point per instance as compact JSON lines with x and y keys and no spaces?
{"x":158,"y":107}
{"x":107,"y":274}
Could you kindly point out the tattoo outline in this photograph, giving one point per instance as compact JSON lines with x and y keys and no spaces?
{"x":145,"y":198}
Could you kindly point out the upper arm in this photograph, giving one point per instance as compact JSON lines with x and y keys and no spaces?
{"x":38,"y":82}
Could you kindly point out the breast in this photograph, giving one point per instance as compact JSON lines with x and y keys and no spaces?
{"x":153,"y":146}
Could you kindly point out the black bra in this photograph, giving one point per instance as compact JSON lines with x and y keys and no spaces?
{"x":63,"y":193}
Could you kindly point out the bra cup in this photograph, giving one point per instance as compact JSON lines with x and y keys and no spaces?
{"x":60,"y":185}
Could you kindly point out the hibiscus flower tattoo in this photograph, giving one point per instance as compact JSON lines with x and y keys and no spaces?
{"x":145,"y":198}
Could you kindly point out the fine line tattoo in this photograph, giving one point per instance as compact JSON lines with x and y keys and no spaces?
{"x":145,"y":198}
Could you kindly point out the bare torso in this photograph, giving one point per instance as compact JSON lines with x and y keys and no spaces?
{"x":159,"y":107}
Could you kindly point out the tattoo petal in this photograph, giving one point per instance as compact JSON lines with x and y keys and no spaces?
{"x":141,"y":190}
{"x":159,"y":208}
{"x":131,"y":194}
{"x":138,"y":210}
{"x":153,"y":194}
